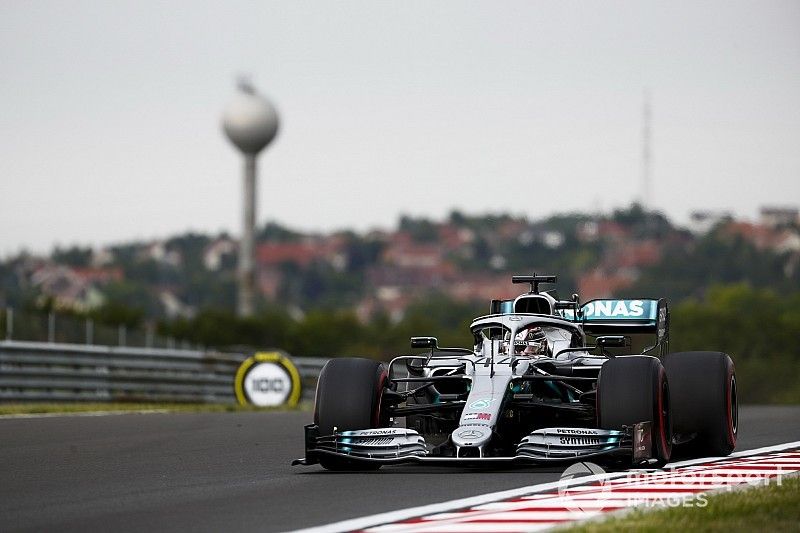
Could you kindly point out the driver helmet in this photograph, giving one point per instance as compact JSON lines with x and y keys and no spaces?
{"x":534,"y":341}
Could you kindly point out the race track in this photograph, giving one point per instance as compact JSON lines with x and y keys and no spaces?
{"x":230,"y":472}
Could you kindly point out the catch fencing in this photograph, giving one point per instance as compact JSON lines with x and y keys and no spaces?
{"x":55,"y":327}
{"x":37,"y":371}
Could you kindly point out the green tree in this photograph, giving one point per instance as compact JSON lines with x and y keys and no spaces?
{"x":756,"y":327}
{"x":74,"y":256}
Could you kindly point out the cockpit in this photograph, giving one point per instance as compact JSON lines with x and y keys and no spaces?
{"x":533,"y":335}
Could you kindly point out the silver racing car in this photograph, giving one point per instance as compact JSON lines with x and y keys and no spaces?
{"x":546,"y":380}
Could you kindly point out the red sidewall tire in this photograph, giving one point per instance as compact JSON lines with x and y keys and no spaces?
{"x":704,"y":401}
{"x":633,"y":389}
{"x":349,"y":393}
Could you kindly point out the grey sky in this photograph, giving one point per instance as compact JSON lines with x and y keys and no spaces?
{"x":109,"y":111}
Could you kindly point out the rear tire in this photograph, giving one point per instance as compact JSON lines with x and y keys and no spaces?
{"x":349,"y":392}
{"x":633,"y":389}
{"x":704,"y":400}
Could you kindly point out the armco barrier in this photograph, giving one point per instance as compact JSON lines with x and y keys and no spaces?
{"x":309,"y":368}
{"x":34,"y":371}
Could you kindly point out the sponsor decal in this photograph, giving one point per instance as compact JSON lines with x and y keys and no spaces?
{"x":568,"y":431}
{"x":618,"y":309}
{"x":662,"y":322}
{"x":478,"y":416}
{"x":267,"y":379}
{"x":642,"y":441}
{"x":376,"y":432}
{"x":581,"y":441}
{"x":483,"y":403}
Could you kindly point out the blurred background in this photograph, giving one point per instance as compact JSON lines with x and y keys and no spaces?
{"x":426,"y":152}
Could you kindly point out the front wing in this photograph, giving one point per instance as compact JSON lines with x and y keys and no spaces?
{"x":632,"y":445}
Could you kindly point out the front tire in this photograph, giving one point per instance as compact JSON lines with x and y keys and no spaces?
{"x":632,"y":389}
{"x":349,"y":392}
{"x":704,"y":399}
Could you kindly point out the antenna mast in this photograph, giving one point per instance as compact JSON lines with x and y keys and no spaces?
{"x":647,"y":162}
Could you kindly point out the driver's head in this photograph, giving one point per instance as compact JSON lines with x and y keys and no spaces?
{"x":535,"y":341}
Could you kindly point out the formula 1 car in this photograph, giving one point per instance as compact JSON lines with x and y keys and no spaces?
{"x":530,"y":390}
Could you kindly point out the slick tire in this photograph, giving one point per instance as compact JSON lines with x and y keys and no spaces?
{"x":633,"y":389}
{"x":704,"y":402}
{"x":349,"y":392}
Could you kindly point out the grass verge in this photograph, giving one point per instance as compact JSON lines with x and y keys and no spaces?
{"x":771,"y":508}
{"x":56,"y":408}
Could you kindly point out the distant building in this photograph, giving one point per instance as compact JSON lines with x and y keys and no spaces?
{"x":66,"y":288}
{"x":482,"y":288}
{"x":403,"y":252}
{"x":703,"y":221}
{"x":268,"y":281}
{"x":173,"y":306}
{"x":453,"y":238}
{"x":102,"y":257}
{"x":273,"y":254}
{"x":511,"y":229}
{"x":553,"y":239}
{"x":216,"y":253}
{"x":272,"y":257}
{"x":766,"y":237}
{"x":599,"y":283}
{"x":787,"y":241}
{"x":607,"y":230}
{"x":635,"y":254}
{"x":389,"y":300}
{"x":588,"y":231}
{"x":331,"y":250}
{"x":774,"y":216}
{"x":431,"y":277}
{"x":158,"y":252}
{"x":98,"y":275}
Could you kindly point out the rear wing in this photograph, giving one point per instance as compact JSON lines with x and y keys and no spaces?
{"x":619,"y":317}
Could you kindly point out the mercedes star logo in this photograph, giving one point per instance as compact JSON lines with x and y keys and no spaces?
{"x":470,"y":434}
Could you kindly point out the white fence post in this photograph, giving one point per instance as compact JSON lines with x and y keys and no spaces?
{"x":51,"y":327}
{"x":9,"y":323}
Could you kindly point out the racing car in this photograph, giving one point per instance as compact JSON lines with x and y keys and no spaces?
{"x":546,"y":380}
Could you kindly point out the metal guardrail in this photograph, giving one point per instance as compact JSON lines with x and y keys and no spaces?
{"x":34,"y":371}
{"x":309,"y":368}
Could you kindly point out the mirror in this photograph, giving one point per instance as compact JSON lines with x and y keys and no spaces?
{"x":424,"y":342}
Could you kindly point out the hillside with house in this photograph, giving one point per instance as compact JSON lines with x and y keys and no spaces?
{"x":463,"y":259}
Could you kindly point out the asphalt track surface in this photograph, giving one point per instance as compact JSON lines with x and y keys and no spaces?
{"x":231,"y":472}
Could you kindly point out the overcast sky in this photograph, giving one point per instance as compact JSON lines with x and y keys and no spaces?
{"x":109,"y":111}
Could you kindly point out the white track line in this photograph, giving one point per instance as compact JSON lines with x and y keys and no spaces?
{"x":391,"y":517}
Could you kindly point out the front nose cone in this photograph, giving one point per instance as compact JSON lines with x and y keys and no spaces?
{"x":471,"y":436}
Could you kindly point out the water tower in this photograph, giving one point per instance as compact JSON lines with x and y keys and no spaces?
{"x":250,"y":122}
